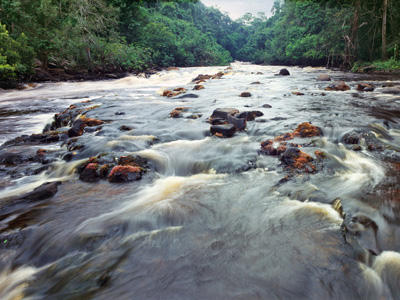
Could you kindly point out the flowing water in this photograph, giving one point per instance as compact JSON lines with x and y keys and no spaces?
{"x":211,"y":219}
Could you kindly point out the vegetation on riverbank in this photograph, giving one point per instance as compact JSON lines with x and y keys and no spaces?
{"x":84,"y":39}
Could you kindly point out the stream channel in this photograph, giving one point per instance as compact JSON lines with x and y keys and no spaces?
{"x":211,"y":217}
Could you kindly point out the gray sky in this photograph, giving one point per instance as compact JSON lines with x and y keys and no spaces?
{"x":237,"y":8}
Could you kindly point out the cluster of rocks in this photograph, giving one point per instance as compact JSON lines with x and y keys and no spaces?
{"x":226,"y":121}
{"x":105,"y":166}
{"x":198,"y":86}
{"x":292,"y":158}
{"x":358,"y":140}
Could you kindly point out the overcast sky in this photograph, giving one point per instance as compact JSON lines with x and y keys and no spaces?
{"x":237,"y":8}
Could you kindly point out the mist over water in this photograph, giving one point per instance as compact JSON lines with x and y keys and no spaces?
{"x":211,"y":219}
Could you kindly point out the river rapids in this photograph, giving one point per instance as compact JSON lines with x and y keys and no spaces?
{"x":212,"y":218}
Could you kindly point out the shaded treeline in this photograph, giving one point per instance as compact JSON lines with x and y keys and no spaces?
{"x":101,"y":36}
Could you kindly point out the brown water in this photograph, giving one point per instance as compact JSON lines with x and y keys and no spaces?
{"x":211,"y":219}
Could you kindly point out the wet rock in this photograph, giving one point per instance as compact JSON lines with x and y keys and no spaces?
{"x":365,"y":87}
{"x":91,"y":122}
{"x":119,"y":113}
{"x":180,"y":89}
{"x":223,"y":113}
{"x":240,"y":124}
{"x":256,"y":82}
{"x":298,"y":93}
{"x":169,"y":94}
{"x":12,"y":159}
{"x":90,"y":173}
{"x":125,"y":128}
{"x":131,"y":160}
{"x":194,"y":116}
{"x":324,"y":77}
{"x":202,"y":77}
{"x":223,"y":131}
{"x":249,"y":115}
{"x":307,"y":130}
{"x":245,"y":94}
{"x":338,"y":86}
{"x":295,"y":159}
{"x":76,"y":129}
{"x":391,"y":90}
{"x":266,"y":106}
{"x":189,"y":96}
{"x":105,"y":171}
{"x":125,"y":174}
{"x":259,"y":73}
{"x":172,"y":69}
{"x":176,"y":113}
{"x":284,"y":72}
{"x":320,"y":155}
{"x":198,"y":87}
{"x":269,"y":147}
{"x":45,"y":191}
{"x":217,"y":121}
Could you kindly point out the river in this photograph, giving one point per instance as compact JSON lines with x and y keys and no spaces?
{"x":212,"y":218}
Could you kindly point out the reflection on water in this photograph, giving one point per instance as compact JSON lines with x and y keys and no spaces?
{"x":212,"y":219}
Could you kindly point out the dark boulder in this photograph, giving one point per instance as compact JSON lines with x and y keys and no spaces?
{"x":249,"y":115}
{"x":224,"y":112}
{"x":240,"y":124}
{"x":245,"y":94}
{"x":90,"y":173}
{"x":284,"y":72}
{"x":125,"y":128}
{"x":266,"y":106}
{"x":188,"y":96}
{"x":77,"y":128}
{"x":223,"y":131}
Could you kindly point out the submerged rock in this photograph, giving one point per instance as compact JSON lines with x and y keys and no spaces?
{"x":77,"y":128}
{"x":391,"y":90}
{"x":176,"y":113}
{"x":307,"y":130}
{"x":249,"y":115}
{"x":223,"y":113}
{"x":324,"y":77}
{"x":45,"y":191}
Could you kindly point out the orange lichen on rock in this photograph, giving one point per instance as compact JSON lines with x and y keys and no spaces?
{"x":180,"y":89}
{"x":307,"y":130}
{"x":125,"y":173}
{"x":338,"y":86}
{"x":320,"y":154}
{"x":198,"y":87}
{"x":284,"y":137}
{"x":176,"y":113}
{"x":294,"y":158}
{"x":91,"y":121}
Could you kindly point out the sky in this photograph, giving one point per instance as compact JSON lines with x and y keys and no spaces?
{"x":237,"y":8}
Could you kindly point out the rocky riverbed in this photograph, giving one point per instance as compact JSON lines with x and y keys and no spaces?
{"x":241,"y":182}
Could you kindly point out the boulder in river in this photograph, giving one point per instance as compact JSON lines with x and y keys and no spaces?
{"x":338,"y":86}
{"x":198,"y":87}
{"x":176,"y":113}
{"x":223,"y":131}
{"x":306,"y":129}
{"x":298,"y":93}
{"x":223,"y":113}
{"x":240,"y":124}
{"x":365,"y":87}
{"x":90,"y":173}
{"x":295,"y":159}
{"x":125,"y":174}
{"x":249,"y":115}
{"x":245,"y":94}
{"x":76,"y":129}
{"x":284,"y":72}
{"x":269,"y":147}
{"x":324,"y":77}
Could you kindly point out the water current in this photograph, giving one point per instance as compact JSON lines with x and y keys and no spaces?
{"x":212,"y":218}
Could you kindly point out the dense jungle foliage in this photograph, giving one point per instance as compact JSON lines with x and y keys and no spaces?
{"x":134,"y":35}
